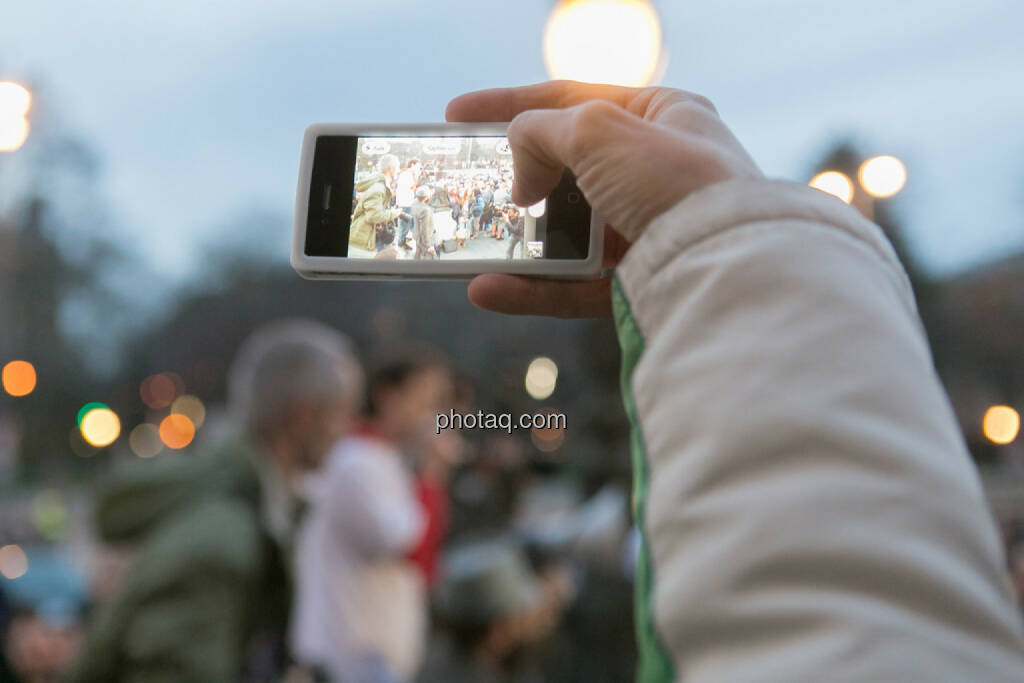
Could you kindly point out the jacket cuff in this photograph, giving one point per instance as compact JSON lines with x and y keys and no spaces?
{"x":731,"y":204}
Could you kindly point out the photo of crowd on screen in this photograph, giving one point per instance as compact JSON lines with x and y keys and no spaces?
{"x":469,"y":182}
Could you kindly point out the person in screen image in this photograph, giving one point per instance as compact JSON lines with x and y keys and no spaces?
{"x":405,"y":194}
{"x":423,"y":225}
{"x":465,"y":230}
{"x":440,"y":198}
{"x":487,"y":217}
{"x":453,"y":201}
{"x":500,"y":223}
{"x":514,"y":223}
{"x":476,"y":210}
{"x":375,"y":210}
{"x":501,"y":195}
{"x":360,"y":612}
{"x":207,"y":592}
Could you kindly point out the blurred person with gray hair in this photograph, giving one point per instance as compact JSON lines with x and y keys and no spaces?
{"x":208,"y":592}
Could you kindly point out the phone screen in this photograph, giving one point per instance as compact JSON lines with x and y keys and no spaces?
{"x":426,"y":198}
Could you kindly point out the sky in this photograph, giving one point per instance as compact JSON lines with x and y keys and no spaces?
{"x":196,"y":109}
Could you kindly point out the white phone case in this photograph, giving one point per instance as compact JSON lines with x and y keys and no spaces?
{"x":343,"y":268}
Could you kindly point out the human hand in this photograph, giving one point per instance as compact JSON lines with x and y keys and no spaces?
{"x":635,"y":153}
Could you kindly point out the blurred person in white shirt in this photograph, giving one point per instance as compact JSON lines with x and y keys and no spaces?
{"x":360,"y":613}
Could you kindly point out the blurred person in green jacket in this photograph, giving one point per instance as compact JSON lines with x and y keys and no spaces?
{"x":206,"y":595}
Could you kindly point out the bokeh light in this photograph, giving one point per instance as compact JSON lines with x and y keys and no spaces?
{"x":14,"y":103}
{"x":1001,"y":424}
{"x":882,"y":176}
{"x":537,"y":210}
{"x":13,"y":133}
{"x":88,"y":408}
{"x":603,"y":41}
{"x":18,"y":378}
{"x":145,"y":440}
{"x":177,"y":431}
{"x":14,"y":100}
{"x":834,"y":183}
{"x":191,"y":407}
{"x":547,"y":439}
{"x":50,"y":515}
{"x":541,"y":378}
{"x":100,"y":427}
{"x":13,"y":562}
{"x":159,"y":391}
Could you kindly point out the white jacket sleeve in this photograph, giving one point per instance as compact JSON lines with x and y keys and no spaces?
{"x":808,"y":507}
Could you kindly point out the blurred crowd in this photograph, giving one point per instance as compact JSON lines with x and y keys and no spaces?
{"x":329,"y":534}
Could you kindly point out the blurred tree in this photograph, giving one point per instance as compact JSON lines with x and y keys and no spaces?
{"x":36,"y":278}
{"x":974,"y":319}
{"x":60,"y":310}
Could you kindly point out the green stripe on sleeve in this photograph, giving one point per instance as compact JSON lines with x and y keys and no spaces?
{"x":654,"y":665}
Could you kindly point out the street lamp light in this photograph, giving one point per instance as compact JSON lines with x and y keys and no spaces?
{"x":1001,"y":424}
{"x":882,"y":176}
{"x":834,"y":183}
{"x":541,"y":377}
{"x":14,"y":103}
{"x":604,"y":41}
{"x":100,"y":427}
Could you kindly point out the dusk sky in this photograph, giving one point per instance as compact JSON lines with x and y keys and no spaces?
{"x":196,"y":109}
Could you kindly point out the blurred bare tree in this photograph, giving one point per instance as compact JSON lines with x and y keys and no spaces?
{"x":974,"y":319}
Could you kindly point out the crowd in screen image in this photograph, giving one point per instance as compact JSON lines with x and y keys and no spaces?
{"x":326,"y":532}
{"x":420,"y":200}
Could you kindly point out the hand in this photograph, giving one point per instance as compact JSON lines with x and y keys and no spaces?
{"x":636,"y":152}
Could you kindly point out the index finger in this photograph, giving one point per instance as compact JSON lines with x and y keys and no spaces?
{"x":519,"y":295}
{"x":504,"y":104}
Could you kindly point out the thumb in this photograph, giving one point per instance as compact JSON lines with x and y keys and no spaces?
{"x":538,"y":168}
{"x":545,"y":141}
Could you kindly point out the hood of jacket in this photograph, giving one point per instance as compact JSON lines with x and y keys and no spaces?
{"x":367,"y":183}
{"x":138,"y":498}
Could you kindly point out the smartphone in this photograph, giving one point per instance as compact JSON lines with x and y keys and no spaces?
{"x":431,"y":201}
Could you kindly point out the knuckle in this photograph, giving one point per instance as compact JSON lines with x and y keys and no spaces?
{"x":656,"y":101}
{"x":590,"y":124}
{"x":695,"y":117}
{"x":517,"y":127}
{"x":704,"y":102}
{"x":595,"y":115}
